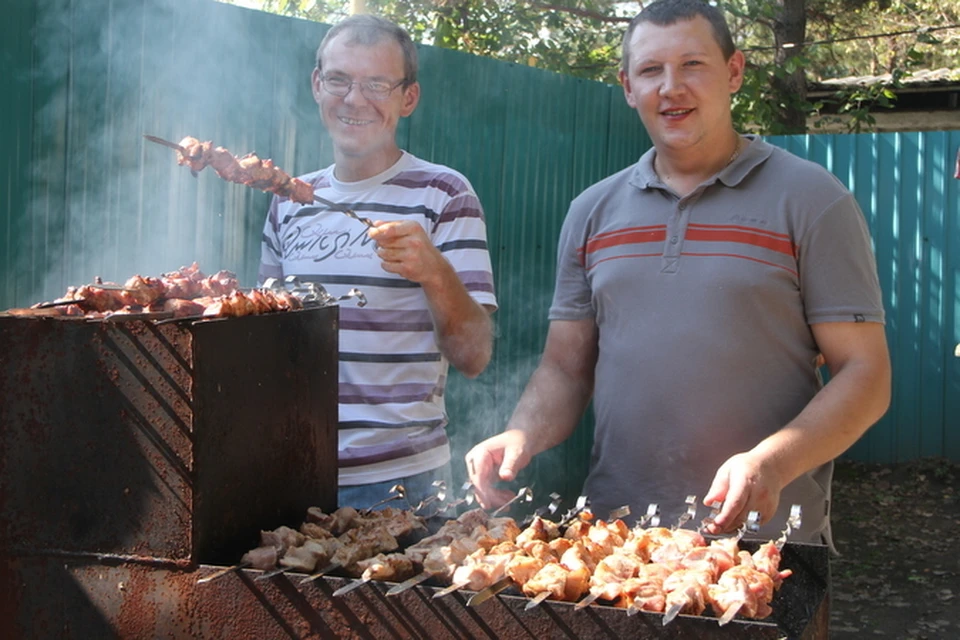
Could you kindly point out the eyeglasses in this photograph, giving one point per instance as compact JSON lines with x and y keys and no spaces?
{"x":375,"y":90}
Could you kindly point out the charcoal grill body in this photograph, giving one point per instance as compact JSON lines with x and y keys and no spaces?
{"x":166,"y":444}
{"x":136,"y":458}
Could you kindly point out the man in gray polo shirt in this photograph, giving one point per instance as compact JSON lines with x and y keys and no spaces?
{"x":696,"y":292}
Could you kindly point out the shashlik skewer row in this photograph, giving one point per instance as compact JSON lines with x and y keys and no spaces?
{"x":688,"y":577}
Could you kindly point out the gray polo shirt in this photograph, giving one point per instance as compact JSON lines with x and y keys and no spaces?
{"x":703,"y":305}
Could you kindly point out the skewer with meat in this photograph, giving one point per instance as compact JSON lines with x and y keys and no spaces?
{"x":567,"y":579}
{"x":644,"y":592}
{"x":748,"y":588}
{"x":250,"y":170}
{"x":741,"y":589}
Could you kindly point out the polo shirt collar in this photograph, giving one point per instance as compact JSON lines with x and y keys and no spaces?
{"x":754,"y":154}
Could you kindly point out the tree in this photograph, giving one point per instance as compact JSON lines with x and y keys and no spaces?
{"x":787,"y":42}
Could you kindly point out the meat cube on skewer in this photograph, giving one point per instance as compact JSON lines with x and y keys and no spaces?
{"x":480,"y":570}
{"x":644,"y":592}
{"x":393,"y":566}
{"x":686,"y":592}
{"x":741,"y":589}
{"x":766,"y":559}
{"x":282,"y":538}
{"x":263,"y":558}
{"x":307,"y":557}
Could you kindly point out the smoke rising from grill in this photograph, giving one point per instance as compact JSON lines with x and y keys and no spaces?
{"x":102,"y":201}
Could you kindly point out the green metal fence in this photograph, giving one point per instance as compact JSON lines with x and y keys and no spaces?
{"x":85,"y":195}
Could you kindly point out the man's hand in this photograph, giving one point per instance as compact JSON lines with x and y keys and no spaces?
{"x":498,"y":458}
{"x":744,"y":483}
{"x":406,"y":250}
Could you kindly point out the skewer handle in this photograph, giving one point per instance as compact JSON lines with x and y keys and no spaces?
{"x":524,"y":494}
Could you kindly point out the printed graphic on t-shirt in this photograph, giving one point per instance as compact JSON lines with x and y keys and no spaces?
{"x":320,"y":242}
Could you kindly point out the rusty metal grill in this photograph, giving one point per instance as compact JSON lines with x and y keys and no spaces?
{"x":137,"y":457}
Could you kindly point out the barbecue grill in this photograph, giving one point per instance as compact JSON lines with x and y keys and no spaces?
{"x":137,"y":457}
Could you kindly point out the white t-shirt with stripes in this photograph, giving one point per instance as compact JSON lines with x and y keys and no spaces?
{"x":392,"y":374}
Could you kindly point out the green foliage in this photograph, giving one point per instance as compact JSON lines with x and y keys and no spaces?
{"x":583,"y":37}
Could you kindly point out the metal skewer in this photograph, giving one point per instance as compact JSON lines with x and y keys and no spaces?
{"x":59,"y":303}
{"x":270,"y":574}
{"x":730,"y":613}
{"x":398,"y":491}
{"x":319,"y":574}
{"x":222,"y":572}
{"x":456,"y":586}
{"x":691,"y":512}
{"x":342,"y":209}
{"x":794,"y":521}
{"x":468,"y":498}
{"x":543,"y":595}
{"x":489,"y":591}
{"x":651,"y":517}
{"x":166,"y":143}
{"x":619,"y":513}
{"x":715,"y":507}
{"x":524,"y":494}
{"x":582,"y":504}
{"x":591,"y":597}
{"x":410,"y":583}
{"x":347,"y":588}
{"x":544,"y":511}
{"x":672,"y":612}
{"x":440,"y":495}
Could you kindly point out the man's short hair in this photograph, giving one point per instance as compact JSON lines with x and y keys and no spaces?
{"x":667,"y":12}
{"x":368,"y":30}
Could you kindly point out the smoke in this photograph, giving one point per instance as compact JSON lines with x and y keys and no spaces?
{"x":480,"y":408}
{"x":102,"y":201}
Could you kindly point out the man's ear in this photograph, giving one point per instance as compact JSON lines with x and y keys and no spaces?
{"x":736,"y":65}
{"x":315,"y":85}
{"x":625,"y":81}
{"x":411,"y":98}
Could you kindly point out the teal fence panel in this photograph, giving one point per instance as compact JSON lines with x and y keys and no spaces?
{"x":905,"y":186}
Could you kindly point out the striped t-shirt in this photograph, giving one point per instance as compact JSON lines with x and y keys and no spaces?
{"x":392,"y":374}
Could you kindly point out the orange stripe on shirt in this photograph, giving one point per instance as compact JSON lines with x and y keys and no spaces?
{"x":627,"y":236}
{"x":774,"y":242}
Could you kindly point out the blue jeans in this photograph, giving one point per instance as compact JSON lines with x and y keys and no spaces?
{"x":416,"y":489}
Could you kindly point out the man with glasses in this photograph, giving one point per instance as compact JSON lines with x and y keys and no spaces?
{"x":422,"y":265}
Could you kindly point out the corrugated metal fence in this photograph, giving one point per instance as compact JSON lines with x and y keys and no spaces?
{"x":904,"y":183}
{"x":84,"y":195}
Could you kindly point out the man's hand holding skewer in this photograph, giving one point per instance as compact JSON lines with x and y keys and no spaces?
{"x":744,"y":483}
{"x":497,"y":459}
